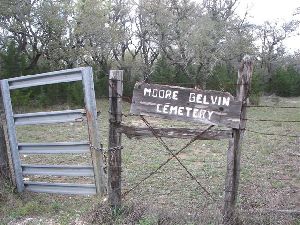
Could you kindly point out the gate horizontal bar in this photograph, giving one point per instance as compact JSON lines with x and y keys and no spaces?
{"x":46,"y":78}
{"x":58,"y":170}
{"x":54,"y":148}
{"x":61,"y":188}
{"x":49,"y":117}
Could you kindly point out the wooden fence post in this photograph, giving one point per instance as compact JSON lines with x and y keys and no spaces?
{"x":234,"y":149}
{"x":4,"y":162}
{"x":114,"y":145}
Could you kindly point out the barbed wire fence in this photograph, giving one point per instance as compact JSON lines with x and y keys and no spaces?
{"x":174,"y":154}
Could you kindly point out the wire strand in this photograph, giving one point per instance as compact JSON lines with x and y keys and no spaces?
{"x":269,"y":120}
{"x":175,"y":156}
{"x":273,"y":134}
{"x":269,"y":106}
{"x":166,"y":162}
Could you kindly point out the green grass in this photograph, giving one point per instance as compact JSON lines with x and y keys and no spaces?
{"x":269,"y":174}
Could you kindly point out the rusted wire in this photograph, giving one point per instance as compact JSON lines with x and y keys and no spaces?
{"x":173,"y":155}
{"x":273,"y":134}
{"x":269,"y":120}
{"x":269,"y":106}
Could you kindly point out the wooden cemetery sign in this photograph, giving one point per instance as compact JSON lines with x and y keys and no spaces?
{"x":171,"y":102}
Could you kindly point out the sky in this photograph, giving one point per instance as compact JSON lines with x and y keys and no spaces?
{"x":272,"y":10}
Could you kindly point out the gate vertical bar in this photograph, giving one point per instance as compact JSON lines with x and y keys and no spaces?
{"x":93,"y":129}
{"x":12,"y":135}
{"x":234,"y":149}
{"x":114,"y":145}
{"x":5,"y":173}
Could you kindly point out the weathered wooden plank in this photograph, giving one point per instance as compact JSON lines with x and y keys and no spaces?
{"x":170,"y":102}
{"x":234,"y":149}
{"x":114,"y":156}
{"x":182,"y":133}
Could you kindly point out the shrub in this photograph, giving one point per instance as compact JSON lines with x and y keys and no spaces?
{"x":257,"y":88}
{"x":223,"y":78}
{"x":286,"y":82}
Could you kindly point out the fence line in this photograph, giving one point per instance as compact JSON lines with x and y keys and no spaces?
{"x":269,"y":106}
{"x":166,"y":162}
{"x":269,"y":120}
{"x":258,"y":120}
{"x":273,"y":134}
{"x":174,"y":155}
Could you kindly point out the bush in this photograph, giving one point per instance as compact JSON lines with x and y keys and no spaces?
{"x":101,"y":86}
{"x":257,"y":88}
{"x":223,"y":79}
{"x":167,"y":74}
{"x":286,"y":82}
{"x":21,"y":99}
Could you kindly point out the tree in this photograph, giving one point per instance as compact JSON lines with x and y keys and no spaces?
{"x":195,"y":37}
{"x":147,"y":47}
{"x":272,"y":36}
{"x":13,"y":63}
{"x":39,"y":29}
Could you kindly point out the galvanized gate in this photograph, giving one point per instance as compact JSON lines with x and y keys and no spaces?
{"x":79,"y":74}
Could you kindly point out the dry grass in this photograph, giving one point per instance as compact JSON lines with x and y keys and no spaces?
{"x":269,"y":176}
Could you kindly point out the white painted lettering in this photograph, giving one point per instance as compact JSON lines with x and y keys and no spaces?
{"x":202,"y":114}
{"x":166,"y":108}
{"x":168,"y":94}
{"x":173,"y":110}
{"x":147,"y":91}
{"x":195,"y":112}
{"x":184,"y":111}
{"x":188,"y":110}
{"x":199,"y":97}
{"x":158,"y":108}
{"x":192,"y":97}
{"x":180,"y":111}
{"x":204,"y":100}
{"x":175,"y":93}
{"x":154,"y":92}
{"x":161,"y":93}
{"x":210,"y":114}
{"x":214,"y":99}
{"x":226,"y":101}
{"x":219,"y":101}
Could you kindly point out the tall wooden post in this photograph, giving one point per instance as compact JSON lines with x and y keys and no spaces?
{"x":114,"y":145}
{"x":4,"y":163}
{"x":234,"y":150}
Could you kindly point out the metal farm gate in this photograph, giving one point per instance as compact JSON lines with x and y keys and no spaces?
{"x":79,"y":74}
